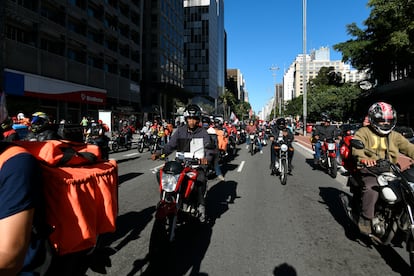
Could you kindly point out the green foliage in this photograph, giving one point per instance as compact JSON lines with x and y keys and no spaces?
{"x":240,"y":108}
{"x":326,"y":93}
{"x":386,"y":43}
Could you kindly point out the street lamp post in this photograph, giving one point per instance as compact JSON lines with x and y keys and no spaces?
{"x":274,"y":69}
{"x":304,"y":68}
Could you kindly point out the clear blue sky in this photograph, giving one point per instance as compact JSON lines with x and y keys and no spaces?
{"x":269,"y":32}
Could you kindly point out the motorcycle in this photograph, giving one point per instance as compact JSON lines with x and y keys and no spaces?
{"x":119,"y":141}
{"x":231,"y":145}
{"x":328,"y":157}
{"x":240,"y":136}
{"x":254,"y":143}
{"x":154,"y":143}
{"x":143,"y":142}
{"x":281,"y":166}
{"x":178,"y":203}
{"x":393,"y":220}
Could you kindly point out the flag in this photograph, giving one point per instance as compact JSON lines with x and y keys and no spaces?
{"x":233,"y":117}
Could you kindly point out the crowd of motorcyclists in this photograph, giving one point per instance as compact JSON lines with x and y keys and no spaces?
{"x":219,"y":141}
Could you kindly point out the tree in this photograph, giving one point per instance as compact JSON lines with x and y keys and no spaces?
{"x":385,"y":46}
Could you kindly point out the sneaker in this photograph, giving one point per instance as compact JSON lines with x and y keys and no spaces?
{"x":364,"y":225}
{"x":261,"y":152}
{"x":221,"y":177}
{"x":202,"y":213}
{"x":247,"y":147}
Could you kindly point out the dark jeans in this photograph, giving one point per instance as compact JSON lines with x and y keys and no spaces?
{"x":369,"y":195}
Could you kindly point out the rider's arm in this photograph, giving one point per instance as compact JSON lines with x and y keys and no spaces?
{"x":361,"y":155}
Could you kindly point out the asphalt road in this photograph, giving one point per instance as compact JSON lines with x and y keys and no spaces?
{"x":259,"y":227}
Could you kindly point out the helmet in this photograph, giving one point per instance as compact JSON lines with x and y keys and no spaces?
{"x":205,"y":120}
{"x":325,"y":117}
{"x":20,"y":116}
{"x":382,"y":117}
{"x":39,"y":122}
{"x":7,"y":124}
{"x":193,"y":111}
{"x":281,"y":123}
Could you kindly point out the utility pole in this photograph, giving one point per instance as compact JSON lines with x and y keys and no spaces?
{"x":304,"y":74}
{"x":274,"y":68}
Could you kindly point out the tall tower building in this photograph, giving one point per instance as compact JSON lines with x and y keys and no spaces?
{"x":204,"y":49}
{"x":163,"y":59}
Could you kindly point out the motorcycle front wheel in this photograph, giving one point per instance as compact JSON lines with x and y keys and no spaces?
{"x":115,"y":146}
{"x":333,"y":170}
{"x":159,"y":243}
{"x":283,"y":171}
{"x":140,"y":147}
{"x":251,"y":148}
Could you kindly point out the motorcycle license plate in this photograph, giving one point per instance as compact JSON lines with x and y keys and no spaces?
{"x":251,"y":136}
{"x":331,"y":146}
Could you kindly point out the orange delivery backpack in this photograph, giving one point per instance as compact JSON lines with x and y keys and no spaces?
{"x":80,"y":191}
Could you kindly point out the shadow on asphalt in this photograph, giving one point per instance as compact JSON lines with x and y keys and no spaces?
{"x":284,"y":270}
{"x":331,"y":197}
{"x":128,"y":176}
{"x":185,"y":254}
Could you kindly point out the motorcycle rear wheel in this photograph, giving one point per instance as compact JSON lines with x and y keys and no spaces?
{"x":283,"y":171}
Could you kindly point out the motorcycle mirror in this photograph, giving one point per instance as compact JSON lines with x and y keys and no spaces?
{"x":358,"y":144}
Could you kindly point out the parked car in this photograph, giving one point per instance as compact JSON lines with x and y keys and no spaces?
{"x":406,"y":131}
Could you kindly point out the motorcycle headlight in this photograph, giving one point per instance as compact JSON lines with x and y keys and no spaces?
{"x":284,"y":147}
{"x":169,"y":182}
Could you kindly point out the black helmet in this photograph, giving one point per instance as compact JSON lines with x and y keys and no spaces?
{"x":40,"y":122}
{"x":193,"y":111}
{"x":325,"y":117}
{"x":281,"y":123}
{"x":205,"y":120}
{"x":172,"y":167}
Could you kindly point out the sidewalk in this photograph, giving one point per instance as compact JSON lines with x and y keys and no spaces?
{"x":403,"y":160}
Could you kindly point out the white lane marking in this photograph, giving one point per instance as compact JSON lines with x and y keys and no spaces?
{"x":156,"y":169}
{"x":131,"y":154}
{"x":240,"y":168}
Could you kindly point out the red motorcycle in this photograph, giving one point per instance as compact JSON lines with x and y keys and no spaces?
{"x":328,"y":157}
{"x":345,"y":151}
{"x":178,"y":203}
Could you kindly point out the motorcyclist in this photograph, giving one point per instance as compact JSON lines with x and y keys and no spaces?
{"x":9,"y":134}
{"x":280,"y":130}
{"x":126,"y":132}
{"x":252,"y":129}
{"x":321,"y":133}
{"x":180,"y":141}
{"x":210,"y":127}
{"x":380,"y":142}
{"x":41,"y":129}
{"x":96,"y":135}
